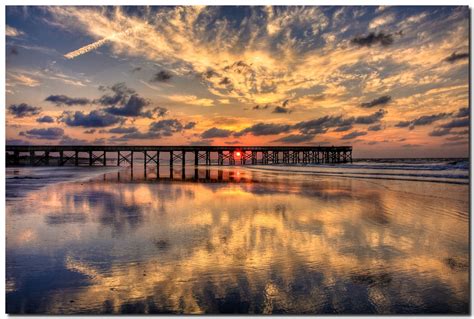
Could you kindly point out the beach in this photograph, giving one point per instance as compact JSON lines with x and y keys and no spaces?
{"x":384,"y":237}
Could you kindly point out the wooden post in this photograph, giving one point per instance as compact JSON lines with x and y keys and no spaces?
{"x":76,"y":158}
{"x":105,"y":158}
{"x":183,"y":159}
{"x":144,"y":160}
{"x":32,"y":158}
{"x":61,"y":158}
{"x":171,"y":158}
{"x":196,"y":159}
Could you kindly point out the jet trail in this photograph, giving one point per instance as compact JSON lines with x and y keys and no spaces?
{"x":95,"y":45}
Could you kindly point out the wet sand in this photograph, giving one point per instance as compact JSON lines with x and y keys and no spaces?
{"x":238,"y":241}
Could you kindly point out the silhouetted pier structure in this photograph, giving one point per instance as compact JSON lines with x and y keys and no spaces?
{"x":37,"y":155}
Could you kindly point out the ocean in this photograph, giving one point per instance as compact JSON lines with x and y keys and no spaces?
{"x":387,"y":236}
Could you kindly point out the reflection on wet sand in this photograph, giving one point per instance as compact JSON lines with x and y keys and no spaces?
{"x":233,"y":240}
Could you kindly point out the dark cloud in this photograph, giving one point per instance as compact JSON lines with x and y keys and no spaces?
{"x":378,"y":101}
{"x":92,"y":119}
{"x":50,"y":133}
{"x":295,"y":138}
{"x":353,"y":135}
{"x":16,"y":141}
{"x":133,"y":107}
{"x":343,"y":128}
{"x":260,"y":107}
{"x":464,"y":122}
{"x":264,"y":129}
{"x":422,"y":120}
{"x":403,"y":124}
{"x":23,"y":110}
{"x":45,"y":119}
{"x":376,"y":127}
{"x":440,"y":132}
{"x":411,"y":145}
{"x":126,"y":102}
{"x":162,"y":76}
{"x":60,"y":100}
{"x":189,"y":125}
{"x":225,"y":81}
{"x":463,"y":112}
{"x":209,"y":74}
{"x":91,"y":131}
{"x":123,"y":130}
{"x":456,"y":57}
{"x":370,"y":119}
{"x":120,"y":95}
{"x":373,"y":38}
{"x":168,"y":127}
{"x":216,"y":132}
{"x":281,"y":109}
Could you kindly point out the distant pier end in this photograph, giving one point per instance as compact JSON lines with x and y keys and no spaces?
{"x":90,"y":155}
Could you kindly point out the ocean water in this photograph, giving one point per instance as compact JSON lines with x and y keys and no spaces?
{"x":375,"y":236}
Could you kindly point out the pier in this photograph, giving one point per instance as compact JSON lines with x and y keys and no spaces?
{"x":90,"y":155}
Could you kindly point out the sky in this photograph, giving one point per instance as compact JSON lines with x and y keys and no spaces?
{"x":390,"y":81}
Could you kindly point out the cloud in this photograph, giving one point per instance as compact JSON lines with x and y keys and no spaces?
{"x":123,"y":130}
{"x":281,"y":109}
{"x":378,"y":101}
{"x":23,"y":110}
{"x":24,"y":80}
{"x":50,"y":133}
{"x":422,"y":120}
{"x":65,"y":100}
{"x":374,"y":128}
{"x":191,"y":100}
{"x":260,"y":129}
{"x":133,"y":107}
{"x":353,"y":135}
{"x":295,"y":138}
{"x":120,"y":94}
{"x":169,"y":127}
{"x":454,"y":57}
{"x":12,"y":32}
{"x":45,"y":119}
{"x":373,"y":38}
{"x":92,"y":119}
{"x":260,"y":107}
{"x":91,"y":131}
{"x":124,"y":101}
{"x":464,"y":122}
{"x":370,"y":119}
{"x":162,"y":76}
{"x":463,"y":112}
{"x":343,"y":128}
{"x":216,"y":132}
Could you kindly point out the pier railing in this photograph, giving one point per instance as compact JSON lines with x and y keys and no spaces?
{"x":91,"y":155}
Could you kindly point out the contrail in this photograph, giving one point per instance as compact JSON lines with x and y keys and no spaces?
{"x":95,"y":45}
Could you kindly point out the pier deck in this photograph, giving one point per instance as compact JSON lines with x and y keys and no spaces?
{"x":91,"y":155}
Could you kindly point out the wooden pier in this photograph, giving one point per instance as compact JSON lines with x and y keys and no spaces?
{"x":90,"y":155}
